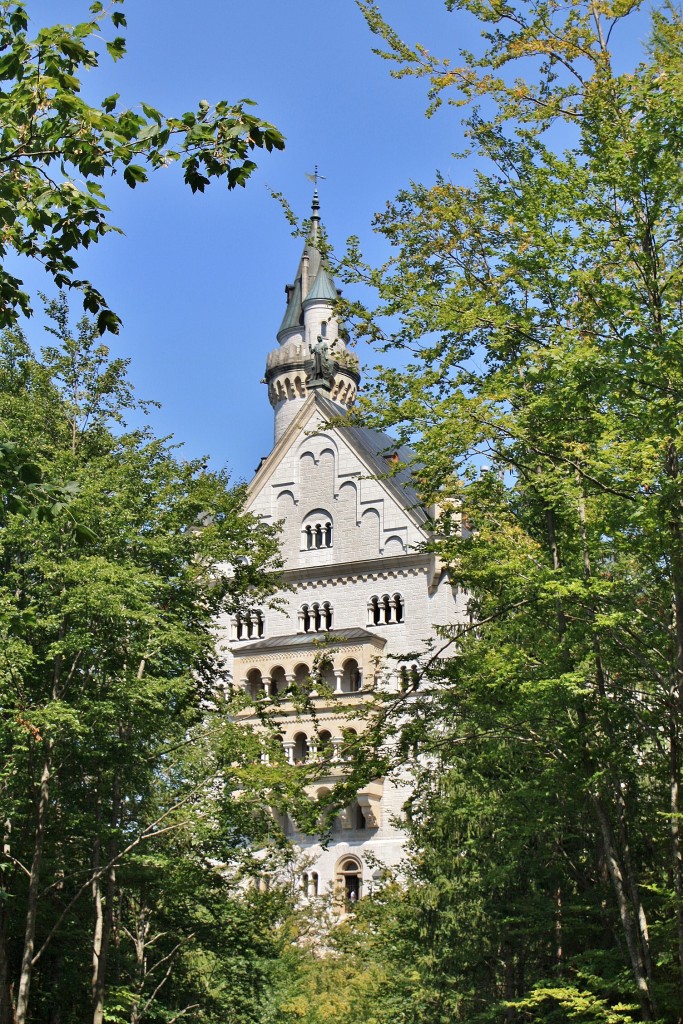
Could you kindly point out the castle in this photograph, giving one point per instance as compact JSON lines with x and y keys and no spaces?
{"x":356,"y":574}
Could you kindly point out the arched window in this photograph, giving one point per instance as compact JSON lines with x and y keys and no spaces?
{"x":349,"y":880}
{"x":386,"y":610}
{"x":315,"y":617}
{"x":249,"y":625}
{"x":325,"y":744}
{"x":300,"y":748}
{"x":410,"y":677}
{"x":301,"y":674}
{"x":278,"y":681}
{"x":323,"y":329}
{"x":351,"y":680}
{"x":316,"y":530}
{"x":314,"y":883}
{"x":254,"y":683}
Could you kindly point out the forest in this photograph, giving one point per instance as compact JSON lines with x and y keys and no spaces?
{"x":536,"y":312}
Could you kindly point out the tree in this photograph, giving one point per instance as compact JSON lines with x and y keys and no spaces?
{"x":118,"y":755}
{"x":541,"y":310}
{"x":57,"y":151}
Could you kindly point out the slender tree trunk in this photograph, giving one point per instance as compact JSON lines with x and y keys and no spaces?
{"x":34,"y":881}
{"x":630,"y":917}
{"x":676,"y":702}
{"x":628,"y":871}
{"x":558,"y":929}
{"x":6,"y":1008}
{"x":104,"y":917}
{"x":5,"y":1000}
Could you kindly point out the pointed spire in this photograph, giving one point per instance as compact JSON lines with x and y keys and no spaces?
{"x":308,"y":273}
{"x":315,"y":217}
{"x":322,"y":288}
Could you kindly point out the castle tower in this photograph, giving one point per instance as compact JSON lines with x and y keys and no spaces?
{"x":311,"y":351}
{"x":361,"y":592}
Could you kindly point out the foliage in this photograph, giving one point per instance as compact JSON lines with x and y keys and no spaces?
{"x":119,"y":759}
{"x":540,"y":310}
{"x":57,"y":150}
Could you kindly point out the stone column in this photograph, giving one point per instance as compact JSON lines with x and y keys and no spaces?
{"x":337,"y":743}
{"x":288,"y":747}
{"x":338,"y":675}
{"x":266,"y":680}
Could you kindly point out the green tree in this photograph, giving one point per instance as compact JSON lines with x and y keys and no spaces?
{"x":115,"y":738}
{"x":541,"y":310}
{"x":57,"y":151}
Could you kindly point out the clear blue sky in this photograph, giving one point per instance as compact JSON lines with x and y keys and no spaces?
{"x":199,"y":280}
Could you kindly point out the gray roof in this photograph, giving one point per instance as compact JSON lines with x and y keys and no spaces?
{"x":296,"y":640}
{"x":294,"y":314}
{"x":376,"y":447}
{"x":323,"y":287}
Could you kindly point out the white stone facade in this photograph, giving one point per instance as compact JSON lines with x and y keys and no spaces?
{"x":352,"y":544}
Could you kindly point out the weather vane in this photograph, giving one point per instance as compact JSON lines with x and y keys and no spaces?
{"x":315,"y":177}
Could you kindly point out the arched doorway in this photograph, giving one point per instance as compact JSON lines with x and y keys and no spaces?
{"x":349,"y":880}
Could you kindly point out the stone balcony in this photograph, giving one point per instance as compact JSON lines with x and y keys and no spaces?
{"x":343,"y":661}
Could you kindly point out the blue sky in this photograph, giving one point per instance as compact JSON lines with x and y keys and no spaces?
{"x":199,"y":280}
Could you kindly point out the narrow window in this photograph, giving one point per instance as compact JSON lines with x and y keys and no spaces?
{"x":328,"y":535}
{"x":375,"y":611}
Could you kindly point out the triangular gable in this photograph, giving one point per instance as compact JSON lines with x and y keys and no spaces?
{"x":366,"y":445}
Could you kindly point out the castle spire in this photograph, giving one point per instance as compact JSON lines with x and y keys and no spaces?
{"x":311,"y":353}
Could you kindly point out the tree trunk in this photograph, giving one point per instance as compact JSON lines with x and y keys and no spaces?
{"x":32,"y":908}
{"x":6,"y":1008}
{"x":628,"y":872}
{"x":104,"y":918}
{"x":631,"y":914}
{"x":676,"y":702}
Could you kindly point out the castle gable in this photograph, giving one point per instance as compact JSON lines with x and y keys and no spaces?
{"x":331,"y":486}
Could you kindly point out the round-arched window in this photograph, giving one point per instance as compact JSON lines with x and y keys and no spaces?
{"x":349,"y":880}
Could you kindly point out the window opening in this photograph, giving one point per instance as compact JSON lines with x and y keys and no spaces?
{"x":315,"y":617}
{"x":386,"y":610}
{"x":318,"y":532}
{"x":249,"y":625}
{"x":300,"y":748}
{"x":349,"y":881}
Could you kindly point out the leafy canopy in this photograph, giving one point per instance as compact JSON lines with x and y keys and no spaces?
{"x":57,"y":150}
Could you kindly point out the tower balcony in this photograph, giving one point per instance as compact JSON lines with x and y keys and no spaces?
{"x":337,"y":664}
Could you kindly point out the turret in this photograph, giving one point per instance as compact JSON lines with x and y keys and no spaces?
{"x":310,"y":353}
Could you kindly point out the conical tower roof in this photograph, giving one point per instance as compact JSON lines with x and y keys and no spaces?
{"x":323,"y":286}
{"x":308,"y":277}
